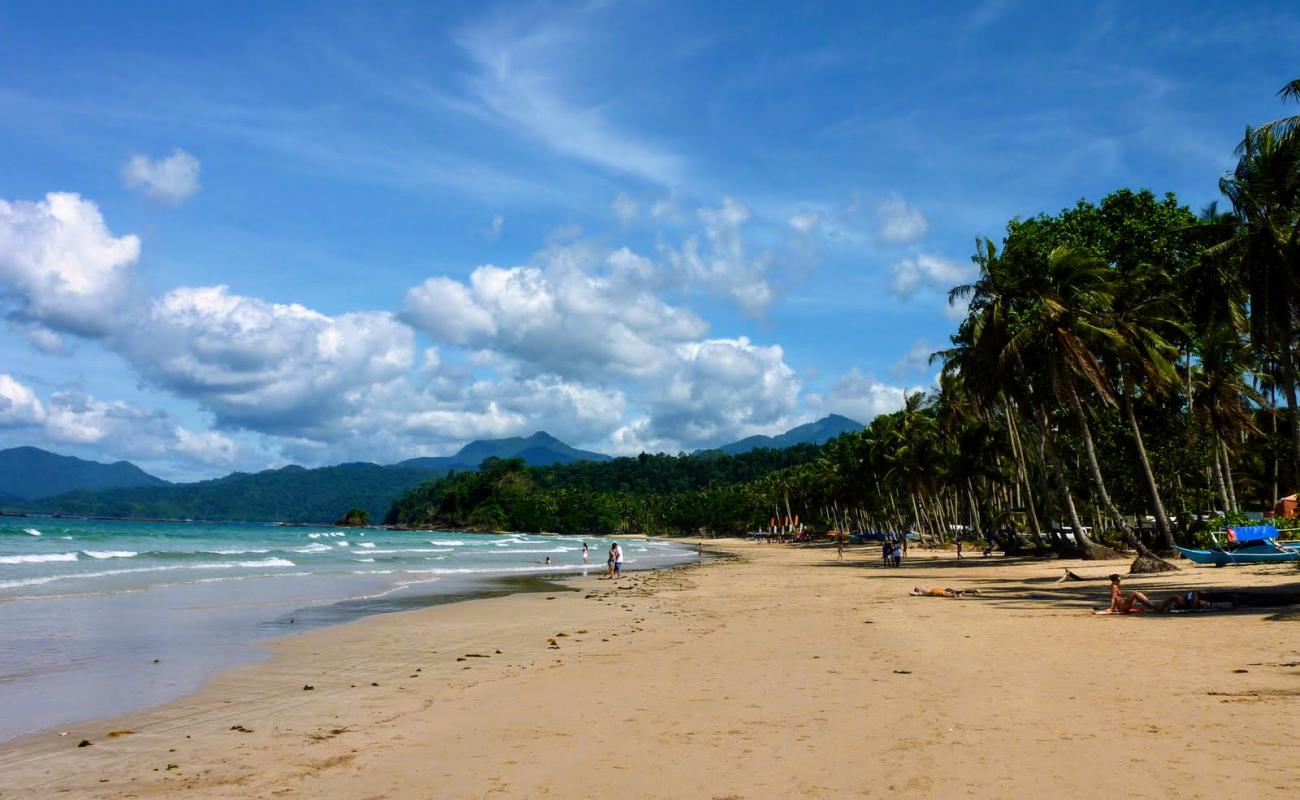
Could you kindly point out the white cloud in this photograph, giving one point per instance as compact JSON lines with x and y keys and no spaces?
{"x":723,"y":267}
{"x":625,"y":208}
{"x":270,"y":367}
{"x":859,"y":397}
{"x":915,"y":360}
{"x":805,"y":222}
{"x":900,"y":223}
{"x":517,"y":83}
{"x":719,"y":389}
{"x":923,"y":271}
{"x":586,"y":313}
{"x":64,"y":267}
{"x":493,"y":231}
{"x":208,"y":447}
{"x":956,"y":309}
{"x":19,"y":405}
{"x":173,"y":179}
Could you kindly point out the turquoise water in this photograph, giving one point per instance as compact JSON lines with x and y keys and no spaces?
{"x":103,"y":617}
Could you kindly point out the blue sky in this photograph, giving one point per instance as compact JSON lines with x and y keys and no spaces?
{"x":238,"y":236}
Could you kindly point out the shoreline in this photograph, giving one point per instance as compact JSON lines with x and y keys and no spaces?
{"x":777,"y":672}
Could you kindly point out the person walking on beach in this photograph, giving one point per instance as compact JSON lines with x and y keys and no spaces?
{"x":618,"y":560}
{"x":959,"y":548}
{"x":609,"y":562}
{"x":839,"y":546}
{"x":898,"y":554}
{"x":887,"y":552}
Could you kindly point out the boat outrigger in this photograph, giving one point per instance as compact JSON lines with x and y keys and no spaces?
{"x":1247,"y":544}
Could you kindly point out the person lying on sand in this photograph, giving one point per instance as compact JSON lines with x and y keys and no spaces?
{"x":917,"y":591}
{"x":1122,"y":602}
{"x":1187,"y":601}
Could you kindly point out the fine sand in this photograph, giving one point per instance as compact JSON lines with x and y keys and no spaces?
{"x":779,"y":673}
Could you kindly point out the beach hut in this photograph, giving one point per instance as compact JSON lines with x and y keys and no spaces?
{"x":1287,"y":508}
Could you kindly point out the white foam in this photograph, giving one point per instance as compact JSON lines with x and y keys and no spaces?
{"x":313,"y":548}
{"x":415,"y":550}
{"x":268,"y":562}
{"x":365,"y":560}
{"x":341,"y":544}
{"x":31,"y":532}
{"x":111,"y":553}
{"x":449,"y":542}
{"x":527,"y":550}
{"x":234,"y":552}
{"x":38,"y":558}
{"x":365,"y":544}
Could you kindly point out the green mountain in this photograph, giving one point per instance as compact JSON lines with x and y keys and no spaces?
{"x":539,"y":450}
{"x":289,"y":494}
{"x":818,"y":432}
{"x":28,"y":473}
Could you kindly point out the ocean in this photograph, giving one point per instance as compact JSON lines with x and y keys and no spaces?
{"x":102,"y":617}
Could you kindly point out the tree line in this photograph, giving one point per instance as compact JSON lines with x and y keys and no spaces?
{"x":1114,"y":384}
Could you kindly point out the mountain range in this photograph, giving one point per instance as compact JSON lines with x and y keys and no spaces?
{"x":818,"y":432}
{"x":539,"y":450}
{"x":29,"y":473}
{"x":35,"y":480}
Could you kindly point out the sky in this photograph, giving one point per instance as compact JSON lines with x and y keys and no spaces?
{"x":237,"y":236}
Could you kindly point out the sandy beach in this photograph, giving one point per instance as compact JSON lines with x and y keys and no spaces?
{"x":778,"y":672}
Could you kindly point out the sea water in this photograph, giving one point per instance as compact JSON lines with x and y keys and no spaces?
{"x":101,"y":617}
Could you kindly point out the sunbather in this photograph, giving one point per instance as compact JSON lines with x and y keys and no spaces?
{"x":1186,"y":601}
{"x":918,"y":591}
{"x":1122,"y":602}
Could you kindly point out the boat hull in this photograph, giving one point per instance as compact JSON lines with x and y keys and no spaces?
{"x":1246,"y":555}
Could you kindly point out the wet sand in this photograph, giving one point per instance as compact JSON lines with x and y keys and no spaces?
{"x":780,"y":673}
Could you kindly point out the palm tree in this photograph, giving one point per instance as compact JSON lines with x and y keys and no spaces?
{"x":1264,"y":189}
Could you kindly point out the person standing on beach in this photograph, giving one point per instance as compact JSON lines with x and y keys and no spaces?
{"x":839,"y":546}
{"x":618,"y":560}
{"x":959,"y":548}
{"x":609,"y":562}
{"x":586,"y":556}
{"x":898,"y":555}
{"x":887,"y":552}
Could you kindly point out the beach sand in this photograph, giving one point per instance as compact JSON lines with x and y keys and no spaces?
{"x":779,"y":673}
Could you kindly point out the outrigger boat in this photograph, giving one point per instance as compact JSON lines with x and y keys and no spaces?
{"x":1247,"y":544}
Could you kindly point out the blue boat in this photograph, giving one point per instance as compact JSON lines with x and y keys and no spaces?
{"x":1247,"y":544}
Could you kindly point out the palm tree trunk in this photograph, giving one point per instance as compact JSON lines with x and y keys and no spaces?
{"x":1227,"y":474}
{"x":1162,"y":518}
{"x":1087,"y":547}
{"x":1116,"y":517}
{"x":1288,"y":380}
{"x":1022,"y":470}
{"x":1216,"y":469}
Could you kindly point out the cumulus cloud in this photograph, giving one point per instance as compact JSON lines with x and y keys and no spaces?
{"x":721,"y":265}
{"x":19,"y":405}
{"x":62,"y":265}
{"x":173,"y":179}
{"x":271,"y":367}
{"x":859,"y":396}
{"x":924,"y":271}
{"x":900,"y":223}
{"x":71,"y":419}
{"x":585,"y":313}
{"x":718,"y":388}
